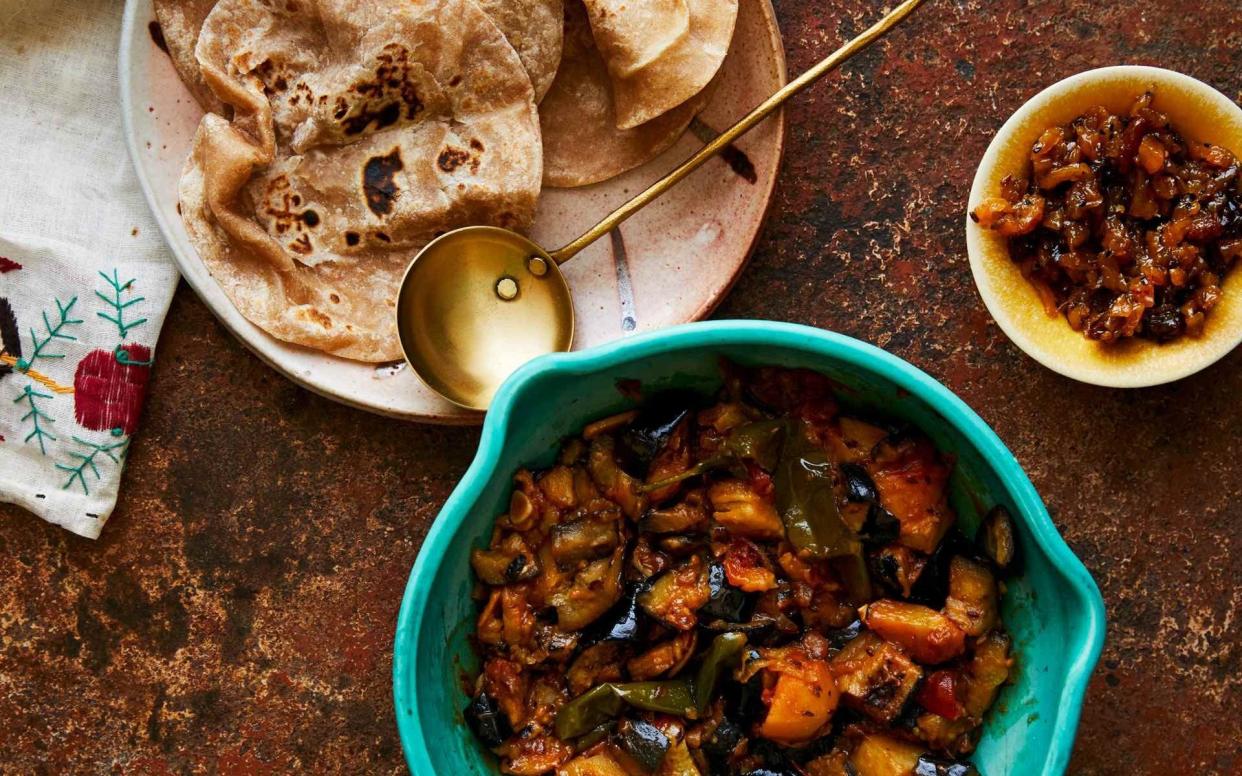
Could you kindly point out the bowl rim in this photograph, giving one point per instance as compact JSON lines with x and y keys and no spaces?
{"x":1077,"y":87}
{"x":758,"y":334}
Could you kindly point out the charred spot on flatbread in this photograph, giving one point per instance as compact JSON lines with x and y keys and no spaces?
{"x":387,"y":95}
{"x":451,"y":158}
{"x":379,"y":184}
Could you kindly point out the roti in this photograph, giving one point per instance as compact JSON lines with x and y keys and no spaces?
{"x":360,"y":131}
{"x":581,"y":142}
{"x":180,"y":22}
{"x":533,"y":28}
{"x":649,"y":85}
{"x":632,"y":34}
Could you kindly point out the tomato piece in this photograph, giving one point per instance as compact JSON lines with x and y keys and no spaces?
{"x":940,"y":694}
{"x":745,"y":568}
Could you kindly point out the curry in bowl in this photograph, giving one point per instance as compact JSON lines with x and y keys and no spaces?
{"x":759,"y":584}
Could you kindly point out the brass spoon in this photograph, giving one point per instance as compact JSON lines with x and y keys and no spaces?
{"x":478,"y":302}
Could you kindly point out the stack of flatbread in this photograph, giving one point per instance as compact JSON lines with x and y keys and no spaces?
{"x":341,"y":136}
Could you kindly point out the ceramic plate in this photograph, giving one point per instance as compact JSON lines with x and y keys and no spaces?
{"x":669,"y":264}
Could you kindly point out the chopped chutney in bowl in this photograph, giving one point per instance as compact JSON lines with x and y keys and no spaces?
{"x":1105,"y":222}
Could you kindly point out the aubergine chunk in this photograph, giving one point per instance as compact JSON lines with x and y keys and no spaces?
{"x":973,"y":603}
{"x":720,"y":745}
{"x":612,"y":481}
{"x":667,"y":657}
{"x":644,"y":745}
{"x":912,"y":481}
{"x":936,"y":766}
{"x":999,"y":539}
{"x":875,"y":676}
{"x":655,"y":423}
{"x":622,"y":622}
{"x":954,"y":736}
{"x":585,"y":538}
{"x":686,"y":516}
{"x":851,"y":440}
{"x":508,"y":561}
{"x":488,"y":722}
{"x":677,"y":595}
{"x":897,"y":568}
{"x":670,"y":465}
{"x":593,"y":592}
{"x":834,"y":763}
{"x":595,"y":665}
{"x":726,"y":604}
{"x":987,"y":672}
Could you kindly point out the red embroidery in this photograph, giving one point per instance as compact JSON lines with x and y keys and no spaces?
{"x":108,"y":393}
{"x":8,"y":265}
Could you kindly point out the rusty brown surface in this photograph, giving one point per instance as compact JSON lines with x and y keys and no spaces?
{"x":237,"y":615}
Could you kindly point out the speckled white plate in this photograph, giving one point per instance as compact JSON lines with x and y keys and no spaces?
{"x":671,"y":263}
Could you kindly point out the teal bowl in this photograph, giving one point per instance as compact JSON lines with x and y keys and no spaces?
{"x":1054,"y":610}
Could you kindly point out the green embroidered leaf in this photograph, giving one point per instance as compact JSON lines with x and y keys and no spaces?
{"x":36,"y":416}
{"x":86,"y":460}
{"x":54,"y":332}
{"x":118,"y":304}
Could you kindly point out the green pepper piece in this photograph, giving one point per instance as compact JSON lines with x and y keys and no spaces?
{"x":594,"y":736}
{"x":606,"y":701}
{"x":759,"y":441}
{"x":723,"y":655}
{"x":588,"y":711}
{"x":807,"y":502}
{"x":671,"y":696}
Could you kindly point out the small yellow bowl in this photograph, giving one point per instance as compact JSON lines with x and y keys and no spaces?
{"x":1198,"y":112}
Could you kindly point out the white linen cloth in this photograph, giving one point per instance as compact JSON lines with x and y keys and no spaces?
{"x":85,"y":278}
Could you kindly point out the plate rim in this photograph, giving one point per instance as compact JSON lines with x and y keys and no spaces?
{"x":260,"y":344}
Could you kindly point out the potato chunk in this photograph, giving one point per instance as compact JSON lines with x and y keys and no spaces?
{"x":925,"y":634}
{"x":803,"y":700}
{"x":911,"y":480}
{"x":737,"y":507}
{"x":878,"y":755}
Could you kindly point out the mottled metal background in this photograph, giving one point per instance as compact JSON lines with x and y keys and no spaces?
{"x":237,"y":615}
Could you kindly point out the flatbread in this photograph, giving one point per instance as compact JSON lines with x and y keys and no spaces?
{"x":533,"y":28}
{"x":360,"y":132}
{"x":678,"y":72}
{"x":581,"y":142}
{"x":633,"y":34}
{"x":180,"y":22}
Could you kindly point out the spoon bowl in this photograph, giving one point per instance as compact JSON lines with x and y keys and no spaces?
{"x":475,"y":304}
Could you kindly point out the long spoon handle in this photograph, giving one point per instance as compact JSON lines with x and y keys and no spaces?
{"x":610,"y":222}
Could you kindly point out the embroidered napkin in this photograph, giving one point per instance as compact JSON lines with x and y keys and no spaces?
{"x":85,"y":279}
